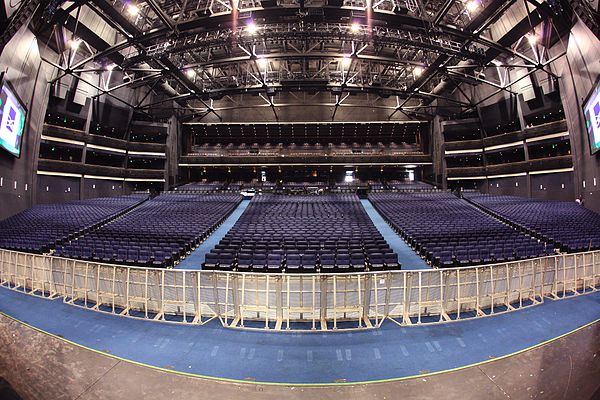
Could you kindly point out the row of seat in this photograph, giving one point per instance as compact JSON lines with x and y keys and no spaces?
{"x":331,"y":233}
{"x":158,"y":233}
{"x":448,"y":231}
{"x":565,"y":224}
{"x":40,"y":228}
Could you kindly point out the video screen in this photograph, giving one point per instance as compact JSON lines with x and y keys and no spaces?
{"x":591,"y":110}
{"x":12,"y":120}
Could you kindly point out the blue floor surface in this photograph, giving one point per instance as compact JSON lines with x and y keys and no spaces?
{"x":196,"y":258}
{"x":305,"y":358}
{"x":406,"y":256}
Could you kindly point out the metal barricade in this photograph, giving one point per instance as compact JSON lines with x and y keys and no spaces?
{"x":302,"y":301}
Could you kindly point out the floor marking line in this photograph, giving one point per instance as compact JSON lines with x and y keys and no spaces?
{"x":429,"y":347}
{"x":377,"y":353}
{"x":404,"y":351}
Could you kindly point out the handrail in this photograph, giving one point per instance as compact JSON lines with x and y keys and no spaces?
{"x":302,"y":301}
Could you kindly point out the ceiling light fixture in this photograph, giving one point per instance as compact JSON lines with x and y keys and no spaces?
{"x":261,"y":61}
{"x":472,"y":5}
{"x":133,"y":10}
{"x":251,"y":28}
{"x":346,"y":61}
{"x":532,"y":38}
{"x":74,"y":44}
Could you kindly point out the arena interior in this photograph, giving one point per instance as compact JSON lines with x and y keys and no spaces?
{"x":299,"y":199}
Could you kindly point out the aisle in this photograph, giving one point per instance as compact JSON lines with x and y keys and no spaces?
{"x":406,"y":256}
{"x":195,"y":260}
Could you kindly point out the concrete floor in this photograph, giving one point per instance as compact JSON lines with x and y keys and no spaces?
{"x":39,"y":366}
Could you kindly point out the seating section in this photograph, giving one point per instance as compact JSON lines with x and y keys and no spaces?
{"x":158,"y":233}
{"x":566,"y":225}
{"x":408,"y":186}
{"x":303,"y":149}
{"x":327,"y":233}
{"x":201,"y":187}
{"x":448,"y":231}
{"x":38,"y":229}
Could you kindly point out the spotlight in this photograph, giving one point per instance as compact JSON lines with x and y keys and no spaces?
{"x":346,"y":61}
{"x":133,"y":10}
{"x":251,"y":28}
{"x":110,"y":67}
{"x":532,"y":38}
{"x":261,"y":61}
{"x":355,"y":27}
{"x":418,"y":71}
{"x":472,"y":5}
{"x":74,"y":44}
{"x":190,"y":73}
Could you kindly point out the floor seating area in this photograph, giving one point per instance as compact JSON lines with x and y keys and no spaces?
{"x":327,"y":233}
{"x":158,"y":233}
{"x":449,"y":231}
{"x":566,"y":225}
{"x":39,"y":228}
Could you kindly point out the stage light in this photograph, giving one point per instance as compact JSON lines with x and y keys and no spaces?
{"x":472,"y":5}
{"x":355,"y":27}
{"x":261,"y":61}
{"x":190,"y":73}
{"x":251,"y":28}
{"x":418,"y":71}
{"x":133,"y":10}
{"x":110,"y":67}
{"x":532,"y":38}
{"x":74,"y":44}
{"x":346,"y":61}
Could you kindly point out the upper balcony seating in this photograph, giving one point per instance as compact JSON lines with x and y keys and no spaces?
{"x":304,"y":149}
{"x":448,"y":231}
{"x":328,"y":233}
{"x":39,"y":228}
{"x":567,"y":225}
{"x":158,"y":233}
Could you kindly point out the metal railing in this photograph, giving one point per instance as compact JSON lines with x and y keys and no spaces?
{"x":302,"y":301}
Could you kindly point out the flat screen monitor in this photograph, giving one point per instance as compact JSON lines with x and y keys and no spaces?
{"x":12,"y":119}
{"x":591,"y":111}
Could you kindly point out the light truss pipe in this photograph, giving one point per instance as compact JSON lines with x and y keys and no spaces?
{"x":291,"y":56}
{"x":335,"y":14}
{"x":314,"y":34}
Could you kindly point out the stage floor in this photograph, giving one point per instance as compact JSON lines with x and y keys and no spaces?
{"x":311,"y":358}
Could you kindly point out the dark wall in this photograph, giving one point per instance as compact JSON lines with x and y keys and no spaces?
{"x":28,"y":75}
{"x":578,"y":71}
{"x":557,"y":186}
{"x":56,"y":189}
{"x":104,"y":188}
{"x":511,"y":186}
{"x":553,"y":186}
